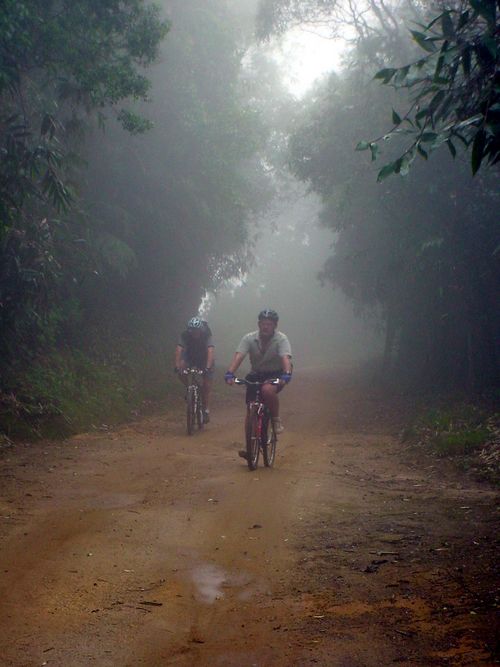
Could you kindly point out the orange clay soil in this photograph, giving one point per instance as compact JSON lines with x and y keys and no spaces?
{"x":143,"y":546}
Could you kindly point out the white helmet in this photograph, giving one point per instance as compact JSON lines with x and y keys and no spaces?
{"x":195,"y":323}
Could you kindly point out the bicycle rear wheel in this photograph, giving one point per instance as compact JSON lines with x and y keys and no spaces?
{"x":268,"y":441}
{"x":252,"y":440}
{"x":190,"y":410}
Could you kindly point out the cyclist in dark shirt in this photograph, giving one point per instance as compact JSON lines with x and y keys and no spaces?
{"x":195,"y":349}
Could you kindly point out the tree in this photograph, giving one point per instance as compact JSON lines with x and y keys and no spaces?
{"x":60,"y":62}
{"x":422,"y":251}
{"x":454,"y":88}
{"x":151,"y":220}
{"x":57,"y":61}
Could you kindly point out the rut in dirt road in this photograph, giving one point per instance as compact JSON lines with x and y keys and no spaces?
{"x":144,"y":546}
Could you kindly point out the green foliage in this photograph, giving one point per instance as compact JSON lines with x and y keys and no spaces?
{"x":133,"y":122}
{"x":59,"y":62}
{"x":420,"y":251}
{"x":89,"y":52}
{"x":461,"y":443}
{"x":452,"y":417}
{"x":455,"y":88}
{"x":108,"y":237}
{"x":466,"y":432}
{"x":62,"y":393}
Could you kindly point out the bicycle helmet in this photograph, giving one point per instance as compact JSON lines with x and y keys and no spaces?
{"x":268,"y":314}
{"x":195,"y":323}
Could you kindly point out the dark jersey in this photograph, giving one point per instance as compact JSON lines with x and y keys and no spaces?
{"x":195,"y":349}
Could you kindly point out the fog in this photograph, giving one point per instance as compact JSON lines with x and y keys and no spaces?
{"x":289,"y":253}
{"x":335,"y":161}
{"x":145,"y":162}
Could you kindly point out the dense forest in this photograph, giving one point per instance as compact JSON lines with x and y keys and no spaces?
{"x":142,"y":145}
{"x":423,"y":248}
{"x":129,"y":171}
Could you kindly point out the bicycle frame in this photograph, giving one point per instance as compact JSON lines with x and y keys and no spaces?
{"x":257,"y":423}
{"x":194,"y":408}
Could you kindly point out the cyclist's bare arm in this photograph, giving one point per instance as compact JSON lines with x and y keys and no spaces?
{"x":178,"y":356}
{"x":235,"y":364}
{"x":286,"y":361}
{"x":210,"y":356}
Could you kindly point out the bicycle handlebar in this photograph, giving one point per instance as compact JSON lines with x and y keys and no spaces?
{"x":249,"y":382}
{"x":195,"y":371}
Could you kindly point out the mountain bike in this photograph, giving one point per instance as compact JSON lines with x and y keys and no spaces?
{"x":259,"y":428}
{"x":194,"y":406}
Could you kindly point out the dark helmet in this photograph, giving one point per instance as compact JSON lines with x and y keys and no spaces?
{"x":268,"y":314}
{"x":195,"y":323}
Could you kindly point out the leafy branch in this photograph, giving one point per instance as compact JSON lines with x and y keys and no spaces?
{"x":455,"y":89}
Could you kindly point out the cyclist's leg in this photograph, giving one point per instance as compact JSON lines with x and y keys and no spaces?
{"x":249,"y":397}
{"x":206,"y":388}
{"x":269,"y":393}
{"x":184,"y":363}
{"x":190,"y":409}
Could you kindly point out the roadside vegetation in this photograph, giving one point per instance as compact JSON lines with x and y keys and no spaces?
{"x":464,"y":431}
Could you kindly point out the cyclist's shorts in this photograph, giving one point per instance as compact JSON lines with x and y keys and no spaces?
{"x":260,"y":377}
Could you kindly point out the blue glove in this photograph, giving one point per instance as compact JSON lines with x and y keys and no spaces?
{"x":286,"y":377}
{"x":228,"y":376}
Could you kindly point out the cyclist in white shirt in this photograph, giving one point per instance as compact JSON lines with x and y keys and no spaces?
{"x":270,"y":357}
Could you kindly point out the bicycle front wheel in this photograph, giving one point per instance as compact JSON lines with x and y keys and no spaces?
{"x":190,"y":410}
{"x":268,"y":441}
{"x":252,"y":440}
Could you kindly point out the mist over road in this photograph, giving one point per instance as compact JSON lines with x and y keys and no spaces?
{"x":289,"y":253}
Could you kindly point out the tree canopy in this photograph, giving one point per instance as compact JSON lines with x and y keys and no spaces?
{"x":421,"y":251}
{"x":454,"y":88}
{"x":108,"y":239}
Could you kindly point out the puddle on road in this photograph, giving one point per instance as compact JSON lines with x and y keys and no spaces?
{"x":213,"y":582}
{"x":208,"y":580}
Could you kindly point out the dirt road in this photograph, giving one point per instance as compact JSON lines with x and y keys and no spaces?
{"x":142,"y":546}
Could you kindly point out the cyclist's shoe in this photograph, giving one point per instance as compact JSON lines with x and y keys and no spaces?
{"x":278,"y":426}
{"x":206,"y":416}
{"x":243,"y":454}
